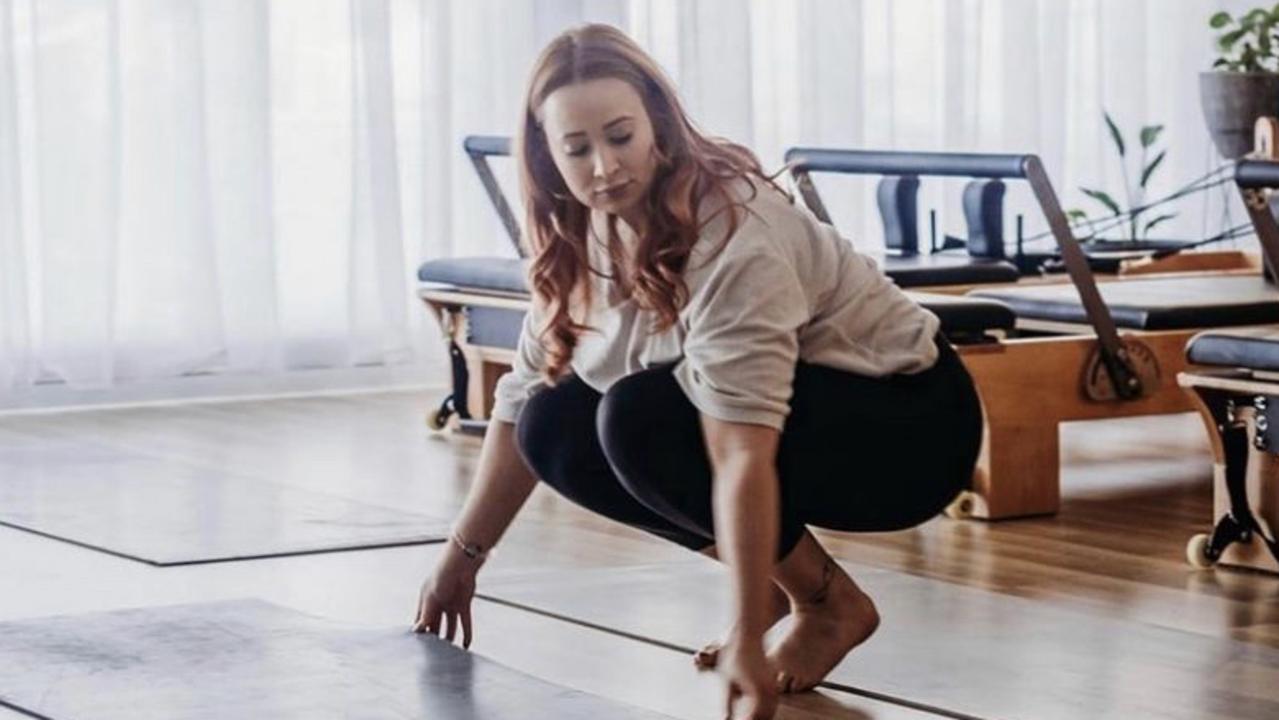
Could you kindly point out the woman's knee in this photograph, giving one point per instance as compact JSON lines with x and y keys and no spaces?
{"x":554,"y":430}
{"x":651,"y":435}
{"x":631,"y":413}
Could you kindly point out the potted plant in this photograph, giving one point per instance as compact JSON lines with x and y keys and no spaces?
{"x":1244,"y":83}
{"x":1126,"y":214}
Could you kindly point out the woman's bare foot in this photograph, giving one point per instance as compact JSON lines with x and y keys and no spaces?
{"x":708,"y":656}
{"x":826,"y":626}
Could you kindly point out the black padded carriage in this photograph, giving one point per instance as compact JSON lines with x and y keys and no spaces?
{"x":911,"y":271}
{"x":1249,"y":348}
{"x":1151,"y":304}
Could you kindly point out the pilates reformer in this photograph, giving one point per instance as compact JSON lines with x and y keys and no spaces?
{"x":1237,"y":396}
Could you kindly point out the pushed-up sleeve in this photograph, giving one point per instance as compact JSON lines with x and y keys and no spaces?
{"x":524,"y":380}
{"x":742,"y":340}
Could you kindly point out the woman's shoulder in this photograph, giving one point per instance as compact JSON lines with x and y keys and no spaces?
{"x":750,"y":213}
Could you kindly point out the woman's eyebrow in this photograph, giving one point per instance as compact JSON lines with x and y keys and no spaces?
{"x":607,"y":125}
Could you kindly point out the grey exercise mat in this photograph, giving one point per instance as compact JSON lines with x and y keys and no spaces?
{"x":250,"y":659}
{"x":167,"y":512}
{"x":947,"y":648}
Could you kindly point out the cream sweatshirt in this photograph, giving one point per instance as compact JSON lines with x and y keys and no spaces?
{"x":785,"y":287}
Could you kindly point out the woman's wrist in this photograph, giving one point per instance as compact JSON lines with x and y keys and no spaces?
{"x":473,"y":550}
{"x":460,"y":552}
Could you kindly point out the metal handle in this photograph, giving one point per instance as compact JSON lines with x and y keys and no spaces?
{"x":480,"y":148}
{"x":487,"y":145}
{"x":891,"y":162}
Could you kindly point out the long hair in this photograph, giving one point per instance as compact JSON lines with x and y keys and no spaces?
{"x":690,"y":168}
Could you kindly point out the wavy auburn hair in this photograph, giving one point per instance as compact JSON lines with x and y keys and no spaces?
{"x":690,"y":168}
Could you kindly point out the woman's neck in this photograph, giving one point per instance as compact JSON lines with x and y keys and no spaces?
{"x":636,"y":221}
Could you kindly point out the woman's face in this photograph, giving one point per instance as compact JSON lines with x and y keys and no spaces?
{"x":601,"y":140}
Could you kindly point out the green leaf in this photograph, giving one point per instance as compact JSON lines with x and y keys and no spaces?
{"x":1221,"y":62}
{"x":1075,"y":215}
{"x":1104,"y":199}
{"x":1150,"y":169}
{"x":1114,"y":133}
{"x":1150,"y":134}
{"x":1157,"y":221}
{"x":1227,"y":42}
{"x":1222,"y":19}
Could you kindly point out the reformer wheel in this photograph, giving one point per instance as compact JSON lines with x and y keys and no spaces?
{"x":438,"y":419}
{"x":1197,"y":552}
{"x":961,"y":508}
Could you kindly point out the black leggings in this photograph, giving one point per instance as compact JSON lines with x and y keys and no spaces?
{"x":856,"y":453}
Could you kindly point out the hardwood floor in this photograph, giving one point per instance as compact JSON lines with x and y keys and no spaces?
{"x":1134,"y":491}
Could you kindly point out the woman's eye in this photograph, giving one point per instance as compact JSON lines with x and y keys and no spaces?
{"x":575,"y":151}
{"x":620,"y":139}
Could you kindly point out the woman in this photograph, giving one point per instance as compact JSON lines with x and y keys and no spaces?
{"x":707,"y":362}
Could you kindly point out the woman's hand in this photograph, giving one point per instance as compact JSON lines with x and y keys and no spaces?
{"x":445,"y":599}
{"x":752,"y":684}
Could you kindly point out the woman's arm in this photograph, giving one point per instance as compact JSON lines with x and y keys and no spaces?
{"x":502,"y":484}
{"x":746,"y":507}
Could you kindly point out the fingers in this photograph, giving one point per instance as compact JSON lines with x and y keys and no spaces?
{"x":431,"y":617}
{"x":419,"y":621}
{"x":730,"y":699}
{"x":466,"y":627}
{"x":750,"y":707}
{"x":706,"y":658}
{"x":452,"y":626}
{"x":748,"y":703}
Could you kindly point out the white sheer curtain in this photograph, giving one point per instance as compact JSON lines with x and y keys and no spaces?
{"x":972,"y":75}
{"x":243,"y":186}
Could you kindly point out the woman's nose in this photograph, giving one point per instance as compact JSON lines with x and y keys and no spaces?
{"x":605,"y":163}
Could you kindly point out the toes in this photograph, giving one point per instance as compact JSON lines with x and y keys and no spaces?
{"x":784,"y":682}
{"x":707,"y":657}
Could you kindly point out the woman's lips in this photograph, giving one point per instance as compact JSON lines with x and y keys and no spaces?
{"x":615,"y":191}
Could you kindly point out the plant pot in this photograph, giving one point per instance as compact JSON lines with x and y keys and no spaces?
{"x":1232,"y":102}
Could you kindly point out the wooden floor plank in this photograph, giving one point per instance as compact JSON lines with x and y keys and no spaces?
{"x":949,"y":647}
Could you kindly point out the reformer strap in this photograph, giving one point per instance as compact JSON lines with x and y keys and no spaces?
{"x":1113,"y":355}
